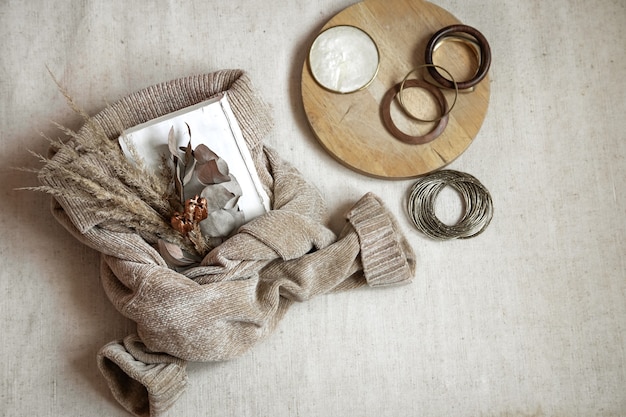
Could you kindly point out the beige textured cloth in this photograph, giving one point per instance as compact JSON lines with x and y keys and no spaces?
{"x":236,"y":297}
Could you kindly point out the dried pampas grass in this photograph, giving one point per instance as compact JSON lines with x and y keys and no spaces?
{"x":126,"y":194}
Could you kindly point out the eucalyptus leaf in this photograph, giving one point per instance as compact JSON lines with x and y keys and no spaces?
{"x":233,"y":186}
{"x":188,"y":151}
{"x":217,"y":197}
{"x":222,"y":167}
{"x":193,"y":187}
{"x":232,"y":203}
{"x":222,"y":223}
{"x":214,"y":171}
{"x":189,"y":171}
{"x":175,"y":256}
{"x":202,"y":153}
{"x":172,"y":144}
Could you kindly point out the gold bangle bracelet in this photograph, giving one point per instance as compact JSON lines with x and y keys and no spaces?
{"x":474,"y":46}
{"x":457,"y":31}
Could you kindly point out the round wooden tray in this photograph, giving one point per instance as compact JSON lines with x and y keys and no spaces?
{"x":350,"y":127}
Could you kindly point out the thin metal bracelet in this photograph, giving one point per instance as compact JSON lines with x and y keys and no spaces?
{"x":444,"y":113}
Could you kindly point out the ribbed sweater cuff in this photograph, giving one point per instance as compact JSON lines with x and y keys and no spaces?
{"x":386,"y":256}
{"x":144,"y":383}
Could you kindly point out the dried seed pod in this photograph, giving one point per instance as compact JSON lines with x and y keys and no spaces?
{"x":190,"y":207}
{"x":181,"y":224}
{"x":196,"y":209}
{"x":201,"y":211}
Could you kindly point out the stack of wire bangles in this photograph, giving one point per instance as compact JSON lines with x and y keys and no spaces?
{"x":476,"y":201}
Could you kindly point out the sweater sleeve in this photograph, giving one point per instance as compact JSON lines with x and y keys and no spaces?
{"x":143,"y":382}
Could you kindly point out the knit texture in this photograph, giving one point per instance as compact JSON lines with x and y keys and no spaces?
{"x":240,"y":291}
{"x":146,"y":383}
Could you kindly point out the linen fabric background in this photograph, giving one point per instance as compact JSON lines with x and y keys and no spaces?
{"x":527,"y":319}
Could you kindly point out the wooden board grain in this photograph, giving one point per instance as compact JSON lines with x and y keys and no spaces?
{"x":349,"y":126}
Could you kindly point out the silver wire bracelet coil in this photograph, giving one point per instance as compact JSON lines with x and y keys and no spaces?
{"x":476,"y":200}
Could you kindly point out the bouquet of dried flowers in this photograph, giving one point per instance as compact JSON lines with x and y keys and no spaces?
{"x":185,"y":209}
{"x":207,"y":195}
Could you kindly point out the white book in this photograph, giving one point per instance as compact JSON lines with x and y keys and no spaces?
{"x":213,"y":124}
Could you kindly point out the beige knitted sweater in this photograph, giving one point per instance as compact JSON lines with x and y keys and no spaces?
{"x":242,"y":288}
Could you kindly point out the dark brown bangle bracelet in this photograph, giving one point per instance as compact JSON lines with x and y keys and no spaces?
{"x":485,"y":55}
{"x":400,"y":135}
